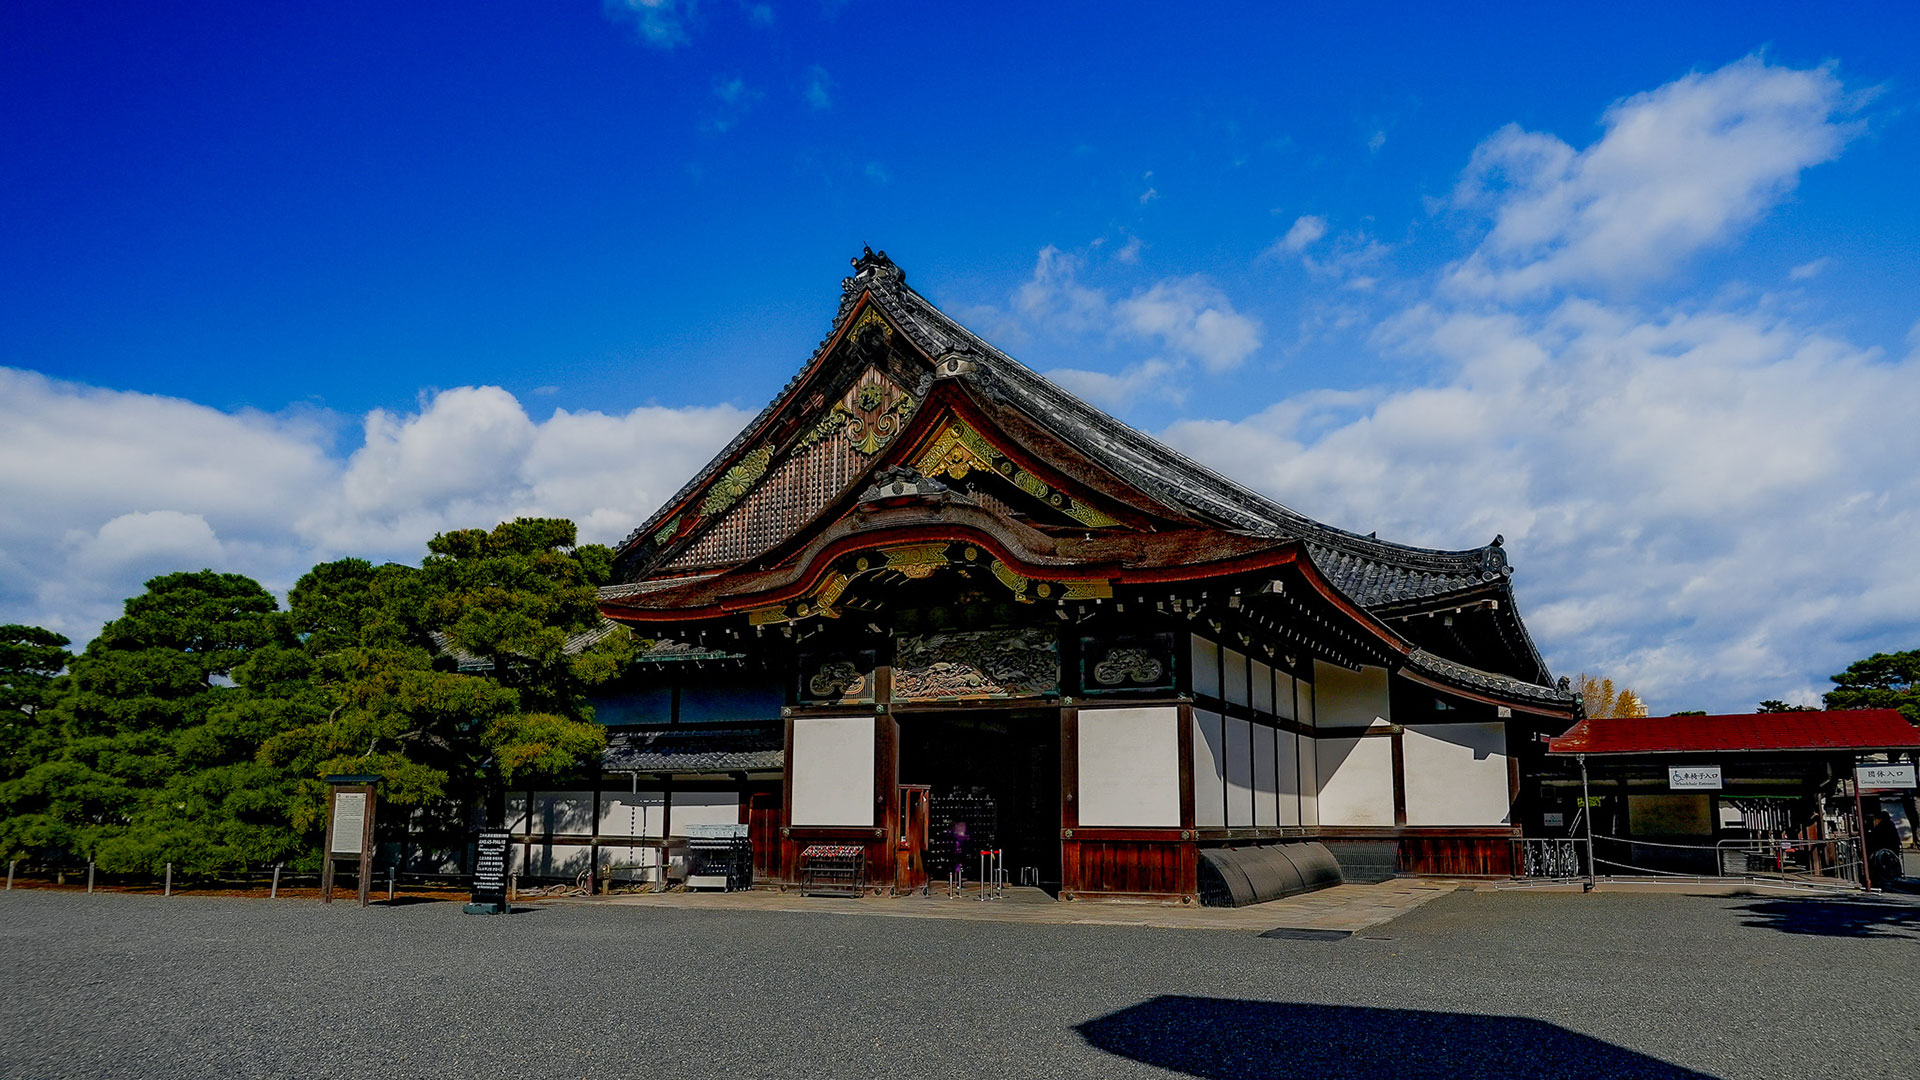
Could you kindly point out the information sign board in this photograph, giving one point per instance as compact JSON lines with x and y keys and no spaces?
{"x":1884,"y":777}
{"x":349,"y":822}
{"x":491,"y":856}
{"x":1693,"y":777}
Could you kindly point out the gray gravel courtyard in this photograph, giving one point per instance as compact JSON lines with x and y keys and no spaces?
{"x":1473,"y":984}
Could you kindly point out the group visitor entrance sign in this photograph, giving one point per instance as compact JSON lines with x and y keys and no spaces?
{"x":1884,"y":777}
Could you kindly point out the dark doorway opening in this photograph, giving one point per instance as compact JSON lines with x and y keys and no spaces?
{"x":994,"y":782}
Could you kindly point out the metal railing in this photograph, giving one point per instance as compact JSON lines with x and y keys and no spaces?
{"x":1833,"y":861}
{"x":1559,"y":859}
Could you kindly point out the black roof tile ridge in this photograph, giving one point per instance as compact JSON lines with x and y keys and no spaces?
{"x":1454,"y":670}
{"x":1277,"y":515}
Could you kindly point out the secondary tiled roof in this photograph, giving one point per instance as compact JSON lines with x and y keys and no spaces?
{"x":1856,"y":729}
{"x":695,"y":749}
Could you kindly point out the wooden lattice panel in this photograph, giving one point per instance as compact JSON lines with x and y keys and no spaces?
{"x":784,"y":501}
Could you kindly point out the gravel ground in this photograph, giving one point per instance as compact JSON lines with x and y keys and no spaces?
{"x":1473,"y":984}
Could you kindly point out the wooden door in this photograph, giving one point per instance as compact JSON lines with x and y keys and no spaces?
{"x":763,"y":828}
{"x":910,"y":849}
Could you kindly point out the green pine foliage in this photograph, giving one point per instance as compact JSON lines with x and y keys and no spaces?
{"x":1881,"y":681}
{"x":197,"y":728}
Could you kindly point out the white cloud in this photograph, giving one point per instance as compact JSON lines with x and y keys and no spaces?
{"x":1712,"y":503}
{"x":1809,"y":270}
{"x":1188,"y":316}
{"x":1307,"y":229}
{"x":1676,"y":170}
{"x":662,"y":23}
{"x":1194,"y":317}
{"x":819,"y":90}
{"x":114,"y":487}
{"x":1119,"y":391}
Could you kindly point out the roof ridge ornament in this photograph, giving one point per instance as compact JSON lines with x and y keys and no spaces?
{"x":870,"y":266}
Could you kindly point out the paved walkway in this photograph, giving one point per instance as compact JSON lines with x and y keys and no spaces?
{"x":1344,"y":907}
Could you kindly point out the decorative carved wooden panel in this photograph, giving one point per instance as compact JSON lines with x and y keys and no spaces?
{"x":972,"y":664}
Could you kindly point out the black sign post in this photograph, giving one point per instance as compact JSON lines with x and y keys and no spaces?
{"x":492,"y":851}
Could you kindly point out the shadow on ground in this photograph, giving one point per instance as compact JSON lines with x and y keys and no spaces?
{"x":1222,"y":1038}
{"x":1836,"y":918}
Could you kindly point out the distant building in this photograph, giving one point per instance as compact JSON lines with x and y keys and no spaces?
{"x":929,"y":603}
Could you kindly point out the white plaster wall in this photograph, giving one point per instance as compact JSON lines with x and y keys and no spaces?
{"x":1283,"y":691}
{"x":1239,"y":773}
{"x":1265,"y":786}
{"x":1262,"y":688}
{"x":1356,"y":781}
{"x":1206,"y":667}
{"x":1309,"y":778}
{"x":1234,"y":664}
{"x":552,"y":860}
{"x":1129,"y":767}
{"x":832,"y":770}
{"x":1287,"y":779}
{"x":1456,"y":774}
{"x":1303,"y":700}
{"x":630,"y":862}
{"x":712,"y":807}
{"x":632,"y":813}
{"x":569,"y":812}
{"x":1350,"y":699}
{"x":1209,"y":770}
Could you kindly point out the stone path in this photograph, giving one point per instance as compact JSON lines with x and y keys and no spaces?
{"x":1350,"y":908}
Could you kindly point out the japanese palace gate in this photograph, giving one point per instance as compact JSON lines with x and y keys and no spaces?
{"x":928,"y":602}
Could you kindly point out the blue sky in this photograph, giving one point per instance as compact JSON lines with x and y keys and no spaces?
{"x":1634,"y":287}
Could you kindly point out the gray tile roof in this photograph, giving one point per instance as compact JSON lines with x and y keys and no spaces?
{"x":1375,"y":573}
{"x":691,"y":749}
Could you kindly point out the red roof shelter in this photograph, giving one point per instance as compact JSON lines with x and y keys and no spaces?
{"x":1854,"y":729}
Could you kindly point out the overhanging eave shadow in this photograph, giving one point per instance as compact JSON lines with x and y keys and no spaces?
{"x":1855,"y":918}
{"x":1232,"y":1039}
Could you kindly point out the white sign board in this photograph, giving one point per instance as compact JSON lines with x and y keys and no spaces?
{"x":1553,"y":819}
{"x":1884,"y":777}
{"x":349,"y":821}
{"x":1693,"y":777}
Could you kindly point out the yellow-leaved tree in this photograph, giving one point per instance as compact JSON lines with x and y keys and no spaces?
{"x":1601,"y":699}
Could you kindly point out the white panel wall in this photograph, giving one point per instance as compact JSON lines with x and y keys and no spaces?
{"x":1234,"y":665}
{"x":1356,"y":781}
{"x":552,"y":860}
{"x":1288,"y":776}
{"x":1130,"y":767}
{"x":632,"y":813}
{"x":832,"y":770}
{"x":1303,"y":701}
{"x":1262,"y":688}
{"x":630,"y":862}
{"x":714,"y":807}
{"x":1309,"y":777}
{"x":1350,"y":699}
{"x":1283,"y":696}
{"x":1456,"y":774}
{"x":1209,"y":770}
{"x":567,"y":812}
{"x":1265,"y":788}
{"x":1239,"y":773}
{"x":1206,"y":667}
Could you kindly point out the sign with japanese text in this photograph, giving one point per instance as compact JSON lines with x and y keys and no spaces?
{"x":1693,"y":777}
{"x":1884,"y":777}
